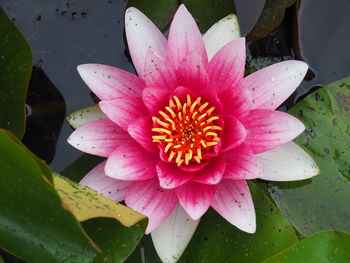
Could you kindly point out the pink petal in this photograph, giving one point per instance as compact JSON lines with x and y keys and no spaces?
{"x":148,"y":198}
{"x":236,"y":102}
{"x":158,"y":73}
{"x":131,"y":162}
{"x":272,"y":85}
{"x":141,"y":130}
{"x":142,"y":35}
{"x":213,"y":172}
{"x":233,"y":134}
{"x":233,"y":202}
{"x":97,"y":180}
{"x":191,"y":72}
{"x":195,"y":198}
{"x":181,"y":93}
{"x":155,"y":99}
{"x":123,"y":110}
{"x":109,"y":82}
{"x":98,"y":137}
{"x":226,"y":68}
{"x":184,"y":37}
{"x":170,"y":176}
{"x":241,"y":163}
{"x":268,"y":129}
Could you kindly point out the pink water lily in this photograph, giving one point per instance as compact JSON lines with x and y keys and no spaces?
{"x":189,"y":130}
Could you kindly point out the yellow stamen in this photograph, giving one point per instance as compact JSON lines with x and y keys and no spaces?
{"x":168,"y":147}
{"x":171,"y":112}
{"x":171,"y":156}
{"x":201,"y":108}
{"x":178,"y":103}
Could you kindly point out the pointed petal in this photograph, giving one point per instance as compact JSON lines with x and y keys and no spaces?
{"x":288,"y":162}
{"x":84,"y":115}
{"x":142,"y":35}
{"x":241,"y":163}
{"x":191,"y":72}
{"x":99,"y":137}
{"x":195,"y":198}
{"x":233,"y":202}
{"x":140,"y":130}
{"x":226,"y":69}
{"x":171,"y":238}
{"x":234,"y":133}
{"x":268,"y":129}
{"x":170,"y":176}
{"x":131,"y":162}
{"x":158,"y":73}
{"x":148,"y":198}
{"x":184,"y":37}
{"x":155,"y":99}
{"x":109,"y":82}
{"x":213,"y":172}
{"x":222,"y":32}
{"x":97,"y":180}
{"x":272,"y":85}
{"x":123,"y":110}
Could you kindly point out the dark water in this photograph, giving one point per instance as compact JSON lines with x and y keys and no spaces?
{"x":64,"y":34}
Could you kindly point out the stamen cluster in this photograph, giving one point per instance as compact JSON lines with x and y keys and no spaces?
{"x":186,"y":130}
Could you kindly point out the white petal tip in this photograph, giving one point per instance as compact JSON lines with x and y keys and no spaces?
{"x":171,"y":238}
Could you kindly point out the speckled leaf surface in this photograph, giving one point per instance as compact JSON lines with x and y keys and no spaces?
{"x":81,"y":116}
{"x":116,"y":241}
{"x":33,"y":224}
{"x":216,"y":240}
{"x":322,"y":202}
{"x":15,"y":67}
{"x":324,"y":247}
{"x":85,"y":203}
{"x":270,"y":17}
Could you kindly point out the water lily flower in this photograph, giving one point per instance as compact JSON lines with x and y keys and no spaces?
{"x":190,"y":129}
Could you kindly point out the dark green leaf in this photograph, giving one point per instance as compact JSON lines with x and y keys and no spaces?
{"x":15,"y":68}
{"x":322,"y":202}
{"x":81,"y":166}
{"x":33,"y":224}
{"x":161,"y":12}
{"x":208,"y":12}
{"x":116,"y":241}
{"x":270,"y":17}
{"x":324,"y":247}
{"x":216,"y":240}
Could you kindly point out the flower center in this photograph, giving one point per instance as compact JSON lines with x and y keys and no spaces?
{"x":186,"y":130}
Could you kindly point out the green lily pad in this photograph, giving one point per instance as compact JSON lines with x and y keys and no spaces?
{"x":324,"y":247}
{"x":116,"y":241}
{"x":216,"y":240}
{"x":15,"y":67}
{"x":33,"y":224}
{"x":270,"y":17}
{"x":208,"y":12}
{"x":160,"y":12}
{"x":321,"y":203}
